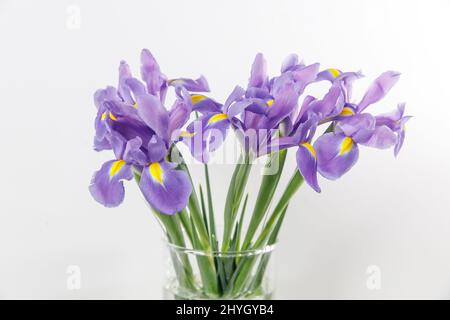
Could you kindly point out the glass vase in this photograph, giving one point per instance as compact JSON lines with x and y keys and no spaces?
{"x":199,"y":275}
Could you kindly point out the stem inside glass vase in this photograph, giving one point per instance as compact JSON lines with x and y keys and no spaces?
{"x":258,"y":282}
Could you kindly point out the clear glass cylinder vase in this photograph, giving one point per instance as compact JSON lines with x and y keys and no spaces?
{"x":199,"y":275}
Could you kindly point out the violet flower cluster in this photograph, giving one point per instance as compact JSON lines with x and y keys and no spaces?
{"x":134,"y":121}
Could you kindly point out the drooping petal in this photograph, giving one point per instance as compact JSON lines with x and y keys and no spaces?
{"x":379,"y":88}
{"x":328,"y":74}
{"x":153,"y":113}
{"x":336,"y":154}
{"x":107,"y":186}
{"x":204,"y":104}
{"x":215,"y":130}
{"x":194,"y":140}
{"x":307,"y":164}
{"x":165,"y":188}
{"x":206,"y":134}
{"x":258,"y":75}
{"x":382,"y":138}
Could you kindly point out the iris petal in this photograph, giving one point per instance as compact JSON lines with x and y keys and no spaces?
{"x":307,"y":164}
{"x":335,"y":155}
{"x":107,"y":186}
{"x":379,"y":88}
{"x":165,"y":188}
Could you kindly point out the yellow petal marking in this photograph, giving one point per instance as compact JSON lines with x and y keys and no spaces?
{"x":310,"y":149}
{"x":115,"y":167}
{"x":334,"y":72}
{"x":135,"y":105}
{"x":217,"y":117}
{"x":347,"y":112}
{"x":112,"y":117}
{"x":197,"y":97}
{"x":103,"y":116}
{"x":346,"y":145}
{"x":187,"y":134}
{"x":270,"y":102}
{"x":156,"y":172}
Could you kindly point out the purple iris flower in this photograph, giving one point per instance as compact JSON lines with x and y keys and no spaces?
{"x":275,"y":99}
{"x":133,"y":122}
{"x":338,"y":151}
{"x":208,"y":132}
{"x":390,"y":122}
{"x":272,"y":100}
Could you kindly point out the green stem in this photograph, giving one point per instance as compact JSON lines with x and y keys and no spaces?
{"x":294,"y":184}
{"x":241,"y":275}
{"x":234,"y":197}
{"x":171,"y":225}
{"x":266,"y":191}
{"x":212,"y":224}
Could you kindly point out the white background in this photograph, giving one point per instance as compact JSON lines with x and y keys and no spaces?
{"x":392,"y":213}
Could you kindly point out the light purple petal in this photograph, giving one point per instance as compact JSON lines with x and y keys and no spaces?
{"x":124,"y":90}
{"x":153,"y":113}
{"x":151,"y":73}
{"x":178,"y":117}
{"x":307,"y":164}
{"x":101,"y":144}
{"x":359,"y":126}
{"x":329,"y":106}
{"x":399,"y":144}
{"x":204,"y":104}
{"x":133,"y":153}
{"x":165,"y":188}
{"x":258,"y":75}
{"x":305,"y":76}
{"x":382,"y":138}
{"x":157,"y":149}
{"x":106,"y":185}
{"x":136,"y":87}
{"x":197,"y":85}
{"x":379,"y":88}
{"x":335,"y":155}
{"x":289,"y":62}
{"x":328,"y":74}
{"x":238,"y":107}
{"x":234,"y":96}
{"x":285,"y":100}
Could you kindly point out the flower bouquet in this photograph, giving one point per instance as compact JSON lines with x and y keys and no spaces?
{"x":267,"y":118}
